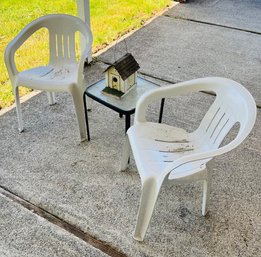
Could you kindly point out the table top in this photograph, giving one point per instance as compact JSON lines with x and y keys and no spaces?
{"x":127,"y":103}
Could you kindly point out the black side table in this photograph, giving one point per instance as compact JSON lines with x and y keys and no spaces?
{"x":125,"y":105}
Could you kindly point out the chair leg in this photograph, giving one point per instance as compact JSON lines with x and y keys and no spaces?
{"x":51,"y":97}
{"x":18,"y":109}
{"x":148,"y":200}
{"x":89,"y":104}
{"x":125,"y":154}
{"x":206,"y":192}
{"x":79,"y":109}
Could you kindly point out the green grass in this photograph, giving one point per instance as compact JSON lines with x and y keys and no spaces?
{"x":109,"y":21}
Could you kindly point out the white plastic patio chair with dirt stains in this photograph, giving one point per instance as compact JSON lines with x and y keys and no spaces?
{"x":166,"y":154}
{"x":63,"y":73}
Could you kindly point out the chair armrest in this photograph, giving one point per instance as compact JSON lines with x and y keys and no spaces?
{"x":14,"y":45}
{"x":183,"y":88}
{"x":202,"y":156}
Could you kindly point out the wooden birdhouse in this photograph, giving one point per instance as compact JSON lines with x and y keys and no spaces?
{"x":122,"y":74}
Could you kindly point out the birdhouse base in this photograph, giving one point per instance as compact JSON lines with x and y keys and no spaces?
{"x":115,"y":93}
{"x":112,"y":92}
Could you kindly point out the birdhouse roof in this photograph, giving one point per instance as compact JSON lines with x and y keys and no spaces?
{"x":126,"y":66}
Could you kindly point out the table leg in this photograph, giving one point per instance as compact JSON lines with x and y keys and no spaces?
{"x":127,"y":122}
{"x":86,"y":117}
{"x":120,"y":115}
{"x":161,"y":109}
{"x":127,"y":126}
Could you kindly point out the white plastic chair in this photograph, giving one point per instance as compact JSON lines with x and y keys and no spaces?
{"x":167,"y":154}
{"x":63,"y":73}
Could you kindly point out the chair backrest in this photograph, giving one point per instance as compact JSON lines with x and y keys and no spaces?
{"x":62,"y":34}
{"x":233,"y":104}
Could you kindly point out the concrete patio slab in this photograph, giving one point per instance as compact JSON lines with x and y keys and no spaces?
{"x":22,"y":233}
{"x":178,"y":50}
{"x":241,"y":14}
{"x":81,"y":183}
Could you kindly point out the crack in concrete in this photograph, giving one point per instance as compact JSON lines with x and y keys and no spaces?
{"x":89,"y":239}
{"x":212,"y":24}
{"x":258,"y":106}
{"x":100,"y":60}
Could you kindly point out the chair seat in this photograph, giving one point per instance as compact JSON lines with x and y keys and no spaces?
{"x":155,"y":146}
{"x":49,"y":78}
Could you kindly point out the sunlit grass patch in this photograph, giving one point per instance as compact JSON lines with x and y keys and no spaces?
{"x":109,"y":20}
